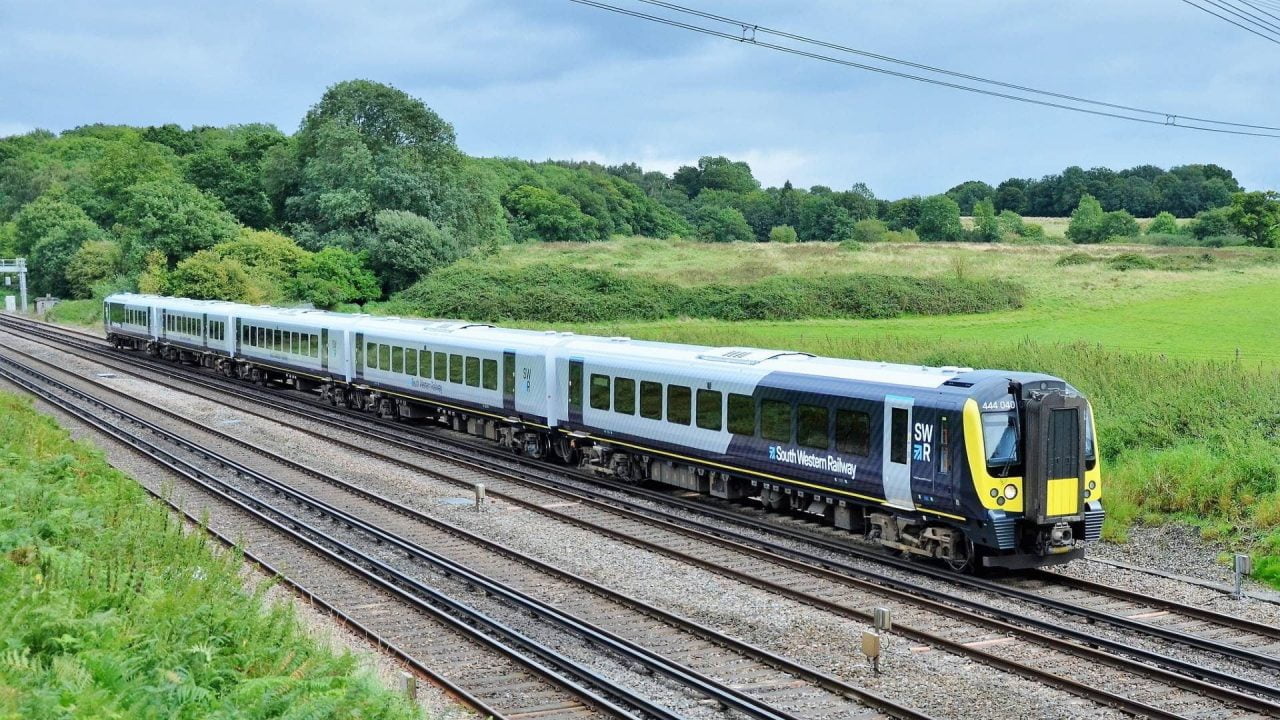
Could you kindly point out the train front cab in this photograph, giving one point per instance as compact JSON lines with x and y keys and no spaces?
{"x":1038,"y":517}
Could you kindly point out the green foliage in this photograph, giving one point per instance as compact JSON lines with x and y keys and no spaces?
{"x":969,"y":193}
{"x":782,"y":234}
{"x":92,"y":263}
{"x":1118,"y":224}
{"x":333,"y":276}
{"x":154,"y":278}
{"x":903,"y":214}
{"x":902,"y":236}
{"x":232,"y":171}
{"x":869,"y":230}
{"x":1131,"y":261}
{"x":48,"y":260}
{"x":383,"y":117}
{"x":1143,"y":191}
{"x":716,"y":173}
{"x":939,"y":220}
{"x":547,"y":293}
{"x":722,"y":224}
{"x":408,"y":247}
{"x":174,"y":218}
{"x":1212,"y":223}
{"x":113,"y":609}
{"x":1256,"y":215}
{"x":208,"y":276}
{"x":8,"y":239}
{"x":1075,"y":258}
{"x":43,"y":217}
{"x":986,"y":227}
{"x":1163,"y":224}
{"x":540,"y":214}
{"x":822,"y":219}
{"x":1087,"y":222}
{"x":123,"y":165}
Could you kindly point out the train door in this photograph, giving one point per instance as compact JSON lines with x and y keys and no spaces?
{"x":509,"y":381}
{"x":896,"y":455}
{"x":358,"y":372}
{"x":576,"y":388}
{"x":324,"y":350}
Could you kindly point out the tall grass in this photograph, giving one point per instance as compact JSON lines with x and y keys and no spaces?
{"x":110,"y":610}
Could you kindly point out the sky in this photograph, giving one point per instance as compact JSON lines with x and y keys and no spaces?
{"x":550,"y":79}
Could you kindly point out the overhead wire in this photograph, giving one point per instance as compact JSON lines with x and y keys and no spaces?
{"x":749,"y":31}
{"x":1262,"y":21}
{"x":1233,"y":22}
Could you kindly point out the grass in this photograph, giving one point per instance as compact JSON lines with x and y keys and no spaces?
{"x":77,"y":312}
{"x":111,"y":610}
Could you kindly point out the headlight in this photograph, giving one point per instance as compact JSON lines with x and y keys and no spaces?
{"x":1011,"y":491}
{"x":1093,"y":484}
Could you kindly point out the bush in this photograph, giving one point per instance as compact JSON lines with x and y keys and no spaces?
{"x":1131,"y":261}
{"x":1163,"y":224}
{"x":1075,"y":258}
{"x":206,"y":276}
{"x":334,"y":276}
{"x":851,"y":246}
{"x":95,"y":261}
{"x":869,"y":230}
{"x":902,"y":236}
{"x":1118,"y":224}
{"x":940,"y":220}
{"x":782,"y":234}
{"x":1212,"y":223}
{"x":722,"y":224}
{"x":548,"y":293}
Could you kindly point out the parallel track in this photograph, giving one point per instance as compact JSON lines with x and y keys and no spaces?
{"x":402,"y":439}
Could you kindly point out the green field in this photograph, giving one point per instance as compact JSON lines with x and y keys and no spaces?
{"x":111,"y":610}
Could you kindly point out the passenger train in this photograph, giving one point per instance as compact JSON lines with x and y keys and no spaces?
{"x":977,"y":468}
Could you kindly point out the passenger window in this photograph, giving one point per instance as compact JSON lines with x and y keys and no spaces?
{"x":710,"y":410}
{"x":411,"y":361}
{"x":811,"y":427}
{"x":490,"y":379}
{"x":775,"y":420}
{"x":384,"y":357}
{"x":442,"y":366}
{"x":397,"y":360}
{"x":599,"y":392}
{"x":898,"y":436}
{"x":624,"y":395}
{"x":371,"y":355}
{"x":853,"y":432}
{"x":455,"y":369}
{"x":679,"y":398}
{"x":650,"y":400}
{"x":742,"y":414}
{"x":944,"y":445}
{"x":424,"y":364}
{"x":473,"y":371}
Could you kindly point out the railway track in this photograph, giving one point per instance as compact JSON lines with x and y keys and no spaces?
{"x":331,"y":504}
{"x":1172,"y":695}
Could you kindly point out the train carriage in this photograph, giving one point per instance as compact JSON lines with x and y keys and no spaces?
{"x":973,"y":467}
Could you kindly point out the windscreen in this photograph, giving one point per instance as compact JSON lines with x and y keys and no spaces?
{"x":1000,"y":437}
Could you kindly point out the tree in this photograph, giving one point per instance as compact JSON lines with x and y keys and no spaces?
{"x":1163,"y":224}
{"x":175,"y":218}
{"x":206,"y":276}
{"x":1011,"y":224}
{"x":547,"y":215}
{"x":822,"y":219}
{"x":383,"y":118}
{"x":1212,"y":223}
{"x":903,"y":214}
{"x":869,"y":230}
{"x":270,"y":259}
{"x":939,"y":220}
{"x":40,"y":218}
{"x":782,"y":234}
{"x":969,"y":193}
{"x":1086,"y":222}
{"x":332,"y":276}
{"x":154,"y":278}
{"x":120,"y":167}
{"x":408,"y":247}
{"x":232,"y":172}
{"x":1118,"y":224}
{"x":93,"y":262}
{"x":1256,"y":215}
{"x":48,"y":260}
{"x":716,"y":173}
{"x":722,"y":225}
{"x":986,"y":227}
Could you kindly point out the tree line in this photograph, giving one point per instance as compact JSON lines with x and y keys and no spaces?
{"x":371,"y":194}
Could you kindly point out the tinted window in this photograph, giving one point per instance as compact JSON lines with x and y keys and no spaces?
{"x":397,"y":359}
{"x":411,"y":361}
{"x":624,"y":395}
{"x":1000,"y":437}
{"x":679,"y":399}
{"x":442,"y":365}
{"x":650,"y":400}
{"x":508,"y":373}
{"x":775,"y":420}
{"x":384,"y":357}
{"x":853,"y":432}
{"x":371,"y":355}
{"x":599,"y":392}
{"x":490,"y":373}
{"x":473,"y":371}
{"x":898,"y":436}
{"x":575,"y":385}
{"x":709,"y":409}
{"x":455,"y":368}
{"x":424,"y":363}
{"x":811,"y":426}
{"x":742,"y":414}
